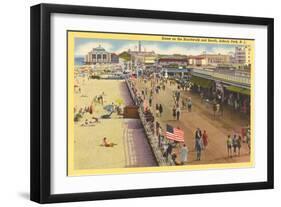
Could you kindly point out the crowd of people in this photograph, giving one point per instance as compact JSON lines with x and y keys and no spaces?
{"x":234,"y":144}
{"x":176,"y":151}
{"x":237,"y":102}
{"x":90,"y":117}
{"x":153,"y":128}
{"x":171,"y":149}
{"x":186,"y":103}
{"x":201,"y":142}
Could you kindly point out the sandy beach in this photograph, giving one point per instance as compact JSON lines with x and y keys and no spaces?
{"x":131,"y":149}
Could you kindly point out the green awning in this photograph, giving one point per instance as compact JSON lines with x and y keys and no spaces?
{"x":239,"y":90}
{"x":202,"y":82}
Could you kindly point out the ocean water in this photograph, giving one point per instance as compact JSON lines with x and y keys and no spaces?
{"x":79,"y":61}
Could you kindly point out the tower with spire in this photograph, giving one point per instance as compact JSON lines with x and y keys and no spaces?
{"x":139,"y":46}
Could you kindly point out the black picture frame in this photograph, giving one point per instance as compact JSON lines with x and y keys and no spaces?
{"x":41,"y":99}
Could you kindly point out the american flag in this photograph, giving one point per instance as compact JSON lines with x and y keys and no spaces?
{"x":174,"y":133}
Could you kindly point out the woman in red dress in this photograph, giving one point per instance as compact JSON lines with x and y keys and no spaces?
{"x":205,"y":139}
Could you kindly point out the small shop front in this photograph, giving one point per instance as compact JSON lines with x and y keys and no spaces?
{"x":203,"y":86}
{"x":238,"y":98}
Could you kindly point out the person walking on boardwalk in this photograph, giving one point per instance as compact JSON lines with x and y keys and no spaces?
{"x":198,"y":133}
{"x":202,"y":96}
{"x":160,"y":137}
{"x":183,"y":154}
{"x":239,"y":144}
{"x":189,"y":104}
{"x":205,"y":139}
{"x":178,"y":112}
{"x":198,"y":136}
{"x":157,"y":110}
{"x":160,"y":109}
{"x":150,"y":101}
{"x":157,"y":125}
{"x":234,"y":144}
{"x":151,"y":92}
{"x":174,"y":112}
{"x":198,"y":148}
{"x":142,"y":93}
{"x":163,"y":87}
{"x":183,"y":103}
{"x":178,"y":96}
{"x":169,"y":151}
{"x":248,"y":139}
{"x":229,"y":146}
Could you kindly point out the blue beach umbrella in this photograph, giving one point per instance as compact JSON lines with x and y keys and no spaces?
{"x":108,"y":108}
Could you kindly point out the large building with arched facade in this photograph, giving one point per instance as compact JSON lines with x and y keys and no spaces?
{"x":99,"y":55}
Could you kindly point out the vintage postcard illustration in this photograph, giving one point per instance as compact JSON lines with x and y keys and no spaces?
{"x":151,"y":103}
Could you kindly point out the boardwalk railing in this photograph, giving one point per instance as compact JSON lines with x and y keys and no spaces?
{"x":149,"y":130}
{"x":227,"y":77}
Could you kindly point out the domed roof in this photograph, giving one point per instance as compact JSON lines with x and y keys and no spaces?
{"x":99,"y":49}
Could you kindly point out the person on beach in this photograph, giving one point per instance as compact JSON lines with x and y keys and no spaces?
{"x":205,"y":139}
{"x":96,"y":119}
{"x":160,"y":109}
{"x":85,"y":109}
{"x":81,"y":110}
{"x":107,"y":144}
{"x":229,"y":146}
{"x":91,"y":109}
{"x":86,"y":123}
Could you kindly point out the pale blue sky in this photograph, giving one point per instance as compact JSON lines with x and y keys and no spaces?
{"x":84,"y":45}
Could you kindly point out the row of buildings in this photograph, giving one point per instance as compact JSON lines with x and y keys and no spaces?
{"x":240,"y":58}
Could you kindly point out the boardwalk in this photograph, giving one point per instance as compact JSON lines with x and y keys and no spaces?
{"x":201,"y":117}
